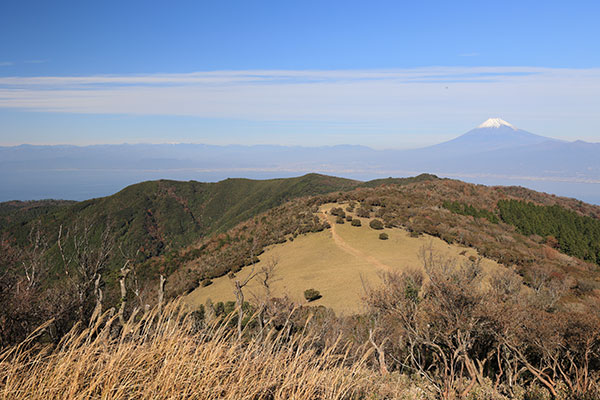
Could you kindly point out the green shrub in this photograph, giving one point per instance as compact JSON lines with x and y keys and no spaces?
{"x":339,"y":220}
{"x":198,"y":315}
{"x":349,"y":218}
{"x":311,"y":295}
{"x":376,"y":224}
{"x":356,"y":222}
{"x":219,"y":308}
{"x":383,"y":236}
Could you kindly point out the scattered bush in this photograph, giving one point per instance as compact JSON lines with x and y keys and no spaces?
{"x":383,"y":236}
{"x":349,"y":218}
{"x":376,"y":224}
{"x":338,"y":212}
{"x":230,"y":307}
{"x":585,"y":286}
{"x":206,"y":282}
{"x":339,"y":220}
{"x":356,"y":222}
{"x":311,"y":295}
{"x":219,"y":308}
{"x":363,"y":212}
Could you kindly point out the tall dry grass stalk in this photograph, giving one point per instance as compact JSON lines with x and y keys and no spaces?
{"x":167,"y":356}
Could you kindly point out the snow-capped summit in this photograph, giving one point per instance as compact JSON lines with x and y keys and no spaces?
{"x":493,"y":134}
{"x":496,"y":123}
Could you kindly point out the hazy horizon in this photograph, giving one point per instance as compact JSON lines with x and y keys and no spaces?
{"x":302,"y":145}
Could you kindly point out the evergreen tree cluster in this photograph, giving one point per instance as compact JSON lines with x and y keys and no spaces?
{"x":466,"y":209}
{"x":577,"y":235}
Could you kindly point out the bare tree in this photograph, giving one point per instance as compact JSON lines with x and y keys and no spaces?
{"x":138,"y":293}
{"x":127,"y":268}
{"x":380,"y":353}
{"x":99,"y":296}
{"x":238,"y":287}
{"x":123,"y":286}
{"x":266,"y":277}
{"x":32,"y":258}
{"x":161,"y":292}
{"x":239,"y":298}
{"x":267,"y":273}
{"x":84,"y":258}
{"x":10,"y":330}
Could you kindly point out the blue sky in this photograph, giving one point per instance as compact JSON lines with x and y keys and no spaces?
{"x":382,"y":73}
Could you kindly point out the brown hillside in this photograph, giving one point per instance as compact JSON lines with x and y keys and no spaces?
{"x":417,"y":208}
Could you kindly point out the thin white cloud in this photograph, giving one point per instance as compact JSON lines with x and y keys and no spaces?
{"x":400,"y":96}
{"x":5,"y":63}
{"x":273,"y":76}
{"x":35,"y":61}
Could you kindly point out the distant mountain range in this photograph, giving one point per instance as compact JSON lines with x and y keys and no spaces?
{"x":495,"y":152}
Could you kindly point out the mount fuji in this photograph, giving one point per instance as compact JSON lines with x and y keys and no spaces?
{"x":497,"y":148}
{"x":493,"y":134}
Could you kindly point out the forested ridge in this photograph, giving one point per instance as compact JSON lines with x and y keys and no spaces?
{"x":571,"y":233}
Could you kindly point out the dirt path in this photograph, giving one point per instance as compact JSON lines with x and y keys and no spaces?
{"x":341,"y":243}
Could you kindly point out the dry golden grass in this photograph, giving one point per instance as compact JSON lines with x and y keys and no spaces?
{"x":338,"y":266}
{"x":166,"y":357}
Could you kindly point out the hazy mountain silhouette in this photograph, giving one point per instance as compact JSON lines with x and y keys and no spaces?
{"x":493,"y":150}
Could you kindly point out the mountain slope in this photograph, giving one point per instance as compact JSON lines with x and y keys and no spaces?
{"x":456,"y":212}
{"x":158,"y":215}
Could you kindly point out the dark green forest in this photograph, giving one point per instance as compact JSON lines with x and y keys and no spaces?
{"x":466,"y":209}
{"x":565,"y":230}
{"x":574,"y":234}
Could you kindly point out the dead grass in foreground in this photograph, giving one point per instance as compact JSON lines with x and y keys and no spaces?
{"x":168,"y":357}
